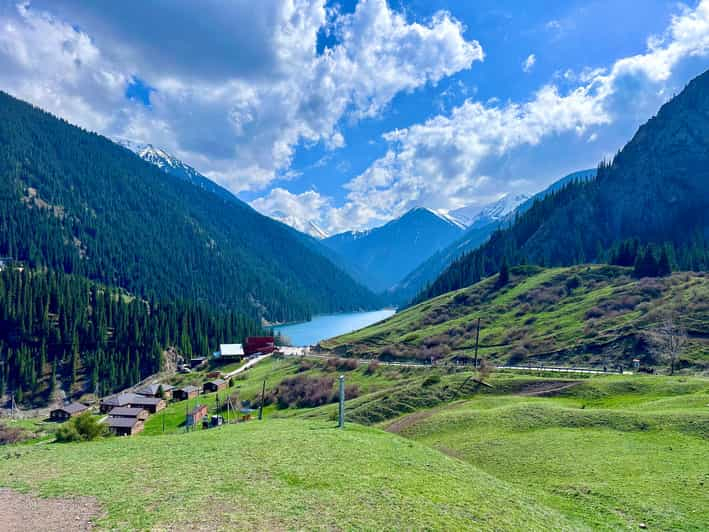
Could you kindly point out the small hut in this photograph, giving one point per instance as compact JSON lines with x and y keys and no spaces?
{"x":130,"y":412}
{"x":194,"y":417}
{"x":125,"y":426}
{"x":188,"y":392}
{"x":153,"y":390}
{"x":214,"y":386}
{"x":67,"y":411}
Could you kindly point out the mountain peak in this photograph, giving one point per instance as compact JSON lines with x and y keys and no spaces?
{"x":475,"y":216}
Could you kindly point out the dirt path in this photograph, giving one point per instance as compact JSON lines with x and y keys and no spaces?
{"x":26,"y":513}
{"x":541,"y":389}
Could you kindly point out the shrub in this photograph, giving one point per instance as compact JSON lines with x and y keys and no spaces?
{"x":372,"y":368}
{"x":431,"y":380}
{"x":9,"y":435}
{"x":341,"y":364}
{"x":81,"y":428}
{"x":594,"y":312}
{"x":518,"y":355}
{"x":304,"y":392}
{"x":573,"y":282}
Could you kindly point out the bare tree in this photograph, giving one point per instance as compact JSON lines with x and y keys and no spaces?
{"x":668,"y":340}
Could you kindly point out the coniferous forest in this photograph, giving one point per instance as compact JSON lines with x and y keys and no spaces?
{"x":63,"y":328}
{"x":74,"y":201}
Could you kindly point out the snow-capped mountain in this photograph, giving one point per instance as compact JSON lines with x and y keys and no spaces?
{"x":476,"y":216}
{"x":384,"y":255}
{"x":175,"y":167}
{"x":304,"y":226}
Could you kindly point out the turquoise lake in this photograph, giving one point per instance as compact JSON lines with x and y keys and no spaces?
{"x":329,"y":325}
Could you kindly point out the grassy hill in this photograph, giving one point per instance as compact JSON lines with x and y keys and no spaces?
{"x":609,"y":453}
{"x":581,"y":314}
{"x":275,"y":475}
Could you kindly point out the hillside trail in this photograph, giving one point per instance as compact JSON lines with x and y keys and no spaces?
{"x":546,"y":389}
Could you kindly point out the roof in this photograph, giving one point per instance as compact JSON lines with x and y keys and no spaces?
{"x":152,"y":389}
{"x":190,"y":388}
{"x":143,"y":400}
{"x":72,"y":408}
{"x":198,"y":408}
{"x":126,"y":411}
{"x":217,"y":382}
{"x":231,"y":349}
{"x":124,"y":422}
{"x":117,"y":400}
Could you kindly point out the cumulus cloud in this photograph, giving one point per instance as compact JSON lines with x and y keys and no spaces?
{"x":453,"y":160}
{"x":247,"y":87}
{"x":528,"y":64}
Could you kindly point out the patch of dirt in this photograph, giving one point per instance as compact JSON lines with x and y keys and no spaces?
{"x":547,"y":388}
{"x":20,"y":512}
{"x":400,"y":425}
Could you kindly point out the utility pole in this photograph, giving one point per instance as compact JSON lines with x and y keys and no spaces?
{"x":163,"y":419}
{"x":12,"y":405}
{"x":187,"y":414}
{"x":341,"y":423}
{"x":263,"y":395}
{"x":477,"y":342}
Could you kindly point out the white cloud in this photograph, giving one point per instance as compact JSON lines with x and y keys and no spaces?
{"x":528,"y":63}
{"x":453,"y":160}
{"x":247,"y":87}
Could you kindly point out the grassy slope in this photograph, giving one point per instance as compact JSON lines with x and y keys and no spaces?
{"x":611,"y":452}
{"x":276,"y":474}
{"x":538,"y":316}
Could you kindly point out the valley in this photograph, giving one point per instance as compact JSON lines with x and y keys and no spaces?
{"x":291,"y":266}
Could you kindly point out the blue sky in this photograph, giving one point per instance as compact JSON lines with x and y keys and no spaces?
{"x":346,"y":114}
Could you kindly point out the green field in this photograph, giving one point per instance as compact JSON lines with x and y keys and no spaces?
{"x":442,"y":452}
{"x":586,"y":315}
{"x":275,"y":475}
{"x":609,"y":453}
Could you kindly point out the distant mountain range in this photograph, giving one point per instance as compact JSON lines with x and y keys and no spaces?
{"x":655,"y":193}
{"x":474,"y":217}
{"x":482,"y":222}
{"x":383,"y":256}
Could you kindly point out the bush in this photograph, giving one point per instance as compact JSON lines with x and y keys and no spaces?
{"x":573,"y":282}
{"x":304,"y":392}
{"x":431,"y":380}
{"x":9,"y":435}
{"x":341,"y":364}
{"x":372,"y":368}
{"x":594,"y":312}
{"x":81,"y":428}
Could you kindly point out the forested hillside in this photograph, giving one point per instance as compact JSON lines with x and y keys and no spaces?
{"x":655,"y":191}
{"x":76,"y":202}
{"x":58,"y":328}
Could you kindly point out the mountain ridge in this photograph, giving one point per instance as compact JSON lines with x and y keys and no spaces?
{"x":75,"y":201}
{"x":385,"y":254}
{"x":655,"y":191}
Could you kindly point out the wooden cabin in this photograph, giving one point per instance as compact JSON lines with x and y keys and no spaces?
{"x":151,"y":404}
{"x":153,"y":390}
{"x":188,"y":392}
{"x":109,"y":403}
{"x":67,"y":411}
{"x":125,"y":426}
{"x":214,"y":386}
{"x":194,"y":417}
{"x":129,"y":411}
{"x":230,"y":352}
